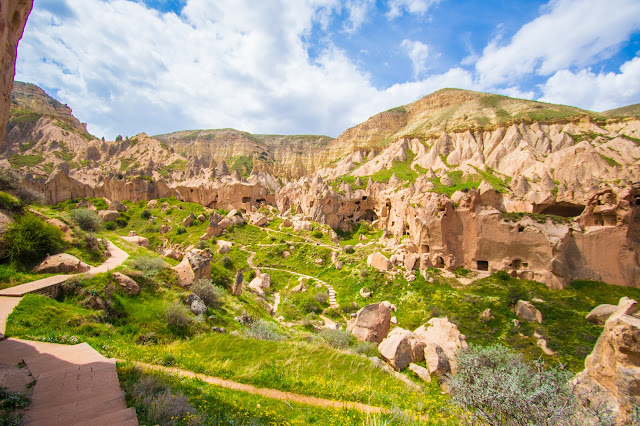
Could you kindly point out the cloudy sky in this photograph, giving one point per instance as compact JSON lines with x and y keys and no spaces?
{"x":319,"y":66}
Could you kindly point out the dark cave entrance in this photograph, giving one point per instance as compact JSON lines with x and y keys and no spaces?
{"x":564,"y":210}
{"x":483,"y":265}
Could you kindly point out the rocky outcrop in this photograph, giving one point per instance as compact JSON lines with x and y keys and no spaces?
{"x":141,"y":241}
{"x":612,"y":371}
{"x":128,"y":285}
{"x":441,"y":333}
{"x":13,"y":17}
{"x":601,"y":313}
{"x":62,"y":263}
{"x":378,"y":261}
{"x":195,"y":265}
{"x":196,"y":305}
{"x":526,"y":311}
{"x":401,"y":348}
{"x":371,"y":323}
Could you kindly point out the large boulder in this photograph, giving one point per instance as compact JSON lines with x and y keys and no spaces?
{"x":401,"y":348}
{"x":141,"y":241}
{"x":258,"y":219}
{"x":224,"y":246}
{"x":526,"y":311}
{"x":612,"y":371}
{"x":188,"y":221}
{"x":371,"y":323}
{"x":600,"y":314}
{"x":444,"y":334}
{"x":196,"y":264}
{"x":196,"y":304}
{"x":438,"y":363}
{"x":108,"y":215}
{"x":302,"y":225}
{"x":262,"y":282}
{"x":117,"y":206}
{"x":378,"y":261}
{"x":62,"y":263}
{"x":128,"y":285}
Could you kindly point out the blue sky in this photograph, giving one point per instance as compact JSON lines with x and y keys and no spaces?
{"x":319,"y":66}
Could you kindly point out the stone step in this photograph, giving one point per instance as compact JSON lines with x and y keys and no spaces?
{"x":126,"y":415}
{"x":72,"y":412}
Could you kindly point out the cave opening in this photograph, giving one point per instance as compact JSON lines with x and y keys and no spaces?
{"x":564,"y":209}
{"x":483,"y":265}
{"x":246,"y":199}
{"x":369,"y":215}
{"x":439,"y":262}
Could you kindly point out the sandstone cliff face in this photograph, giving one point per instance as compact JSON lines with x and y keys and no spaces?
{"x":13,"y":17}
{"x":612,"y":371}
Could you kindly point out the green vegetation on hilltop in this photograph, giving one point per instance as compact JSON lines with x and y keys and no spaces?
{"x":242,"y":163}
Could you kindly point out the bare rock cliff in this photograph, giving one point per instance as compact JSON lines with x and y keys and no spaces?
{"x":13,"y":17}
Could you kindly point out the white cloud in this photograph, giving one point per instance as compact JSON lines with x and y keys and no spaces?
{"x":418,"y":53}
{"x":597,"y":92}
{"x":125,"y":68}
{"x":358,"y":11}
{"x":570,"y":33}
{"x":416,"y":7}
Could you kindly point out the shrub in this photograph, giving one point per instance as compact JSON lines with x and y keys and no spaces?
{"x":317,"y":234}
{"x":502,"y":275}
{"x":87,"y":220}
{"x":220,"y":276}
{"x":263,"y":330}
{"x":149,"y":265}
{"x":90,"y":242}
{"x":349,"y":250}
{"x":160,"y":405}
{"x":110,"y":226}
{"x":339,"y":339}
{"x":181,"y":230}
{"x":210,"y":294}
{"x":498,"y":387}
{"x":227,"y":262}
{"x":9,"y":202}
{"x":146,"y":214}
{"x":516,"y":292}
{"x":168,"y":359}
{"x":30,"y":239}
{"x":122,"y":222}
{"x":178,"y":319}
{"x":29,"y":196}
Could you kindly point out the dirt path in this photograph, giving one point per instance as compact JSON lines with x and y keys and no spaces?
{"x":266,"y":392}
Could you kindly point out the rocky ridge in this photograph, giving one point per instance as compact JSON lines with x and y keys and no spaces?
{"x":456,"y":179}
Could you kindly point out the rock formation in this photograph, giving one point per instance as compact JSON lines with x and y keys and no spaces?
{"x":195,"y":265}
{"x":371,"y":323}
{"x":612,"y":371}
{"x":13,"y":18}
{"x":62,"y":263}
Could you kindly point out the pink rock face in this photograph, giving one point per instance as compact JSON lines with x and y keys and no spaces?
{"x":127,"y":284}
{"x":371,"y":323}
{"x":526,"y":311}
{"x":396,"y":350}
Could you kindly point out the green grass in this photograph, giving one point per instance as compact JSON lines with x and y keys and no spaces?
{"x":12,"y":275}
{"x":242,"y":163}
{"x":460,"y":183}
{"x":27,"y":146}
{"x":23,"y":116}
{"x":17,"y":160}
{"x":610,"y":161}
{"x":540,"y":218}
{"x":177,"y":165}
{"x":632,"y":139}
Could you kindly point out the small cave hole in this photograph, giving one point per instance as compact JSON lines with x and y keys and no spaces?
{"x":483,"y":265}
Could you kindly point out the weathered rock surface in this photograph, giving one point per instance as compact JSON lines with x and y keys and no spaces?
{"x":62,"y":263}
{"x":195,"y":265}
{"x":196,"y":305}
{"x":371,"y":323}
{"x":421,"y":372}
{"x":128,"y":285}
{"x":396,"y":349}
{"x":601,"y":313}
{"x":612,"y":371}
{"x":224,"y":246}
{"x":438,"y":363}
{"x":108,"y":215}
{"x":141,"y":241}
{"x":13,"y":17}
{"x":526,"y":311}
{"x":262,"y":282}
{"x":378,"y":261}
{"x":440,"y":332}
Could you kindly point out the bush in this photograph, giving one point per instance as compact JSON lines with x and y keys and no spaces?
{"x":498,"y":387}
{"x":9,"y":202}
{"x":220,"y":276}
{"x":146,"y":214}
{"x":168,"y":359}
{"x":178,"y":319}
{"x":110,"y":226}
{"x":181,"y":230}
{"x":122,"y":222}
{"x":210,"y":294}
{"x":349,"y":250}
{"x":263,"y":330}
{"x":227,"y":262}
{"x":317,"y":234}
{"x":516,"y":292}
{"x":87,"y":220}
{"x":158,"y":404}
{"x":30,"y":239}
{"x":149,"y":265}
{"x":502,"y":275}
{"x":339,"y":339}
